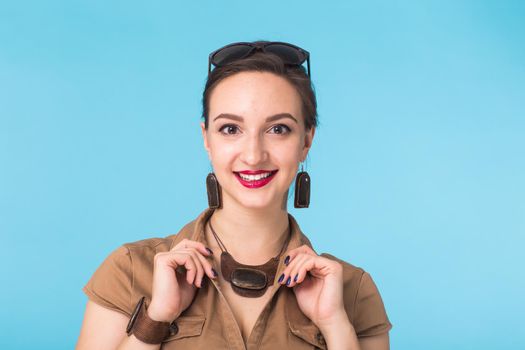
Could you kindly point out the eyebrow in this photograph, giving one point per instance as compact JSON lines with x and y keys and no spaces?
{"x":269,"y":119}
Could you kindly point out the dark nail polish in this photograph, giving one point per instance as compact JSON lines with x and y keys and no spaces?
{"x":215,"y":274}
{"x":209,"y":250}
{"x":281,"y":278}
{"x":295,"y":278}
{"x":287,"y":260}
{"x":288,"y":281}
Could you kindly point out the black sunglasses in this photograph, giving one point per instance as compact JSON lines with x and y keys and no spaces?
{"x":290,"y":54}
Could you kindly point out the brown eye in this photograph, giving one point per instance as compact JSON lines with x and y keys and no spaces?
{"x":280,"y":129}
{"x":228,"y":129}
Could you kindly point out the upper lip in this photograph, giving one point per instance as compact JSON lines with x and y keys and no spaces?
{"x":255,"y":172}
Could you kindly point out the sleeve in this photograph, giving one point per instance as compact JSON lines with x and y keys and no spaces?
{"x":110,"y":285}
{"x":370,"y":315}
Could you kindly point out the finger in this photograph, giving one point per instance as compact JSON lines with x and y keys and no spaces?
{"x":207,"y":266}
{"x":321,"y":267}
{"x":304,"y":249}
{"x":294,"y":268}
{"x":199,"y":270}
{"x":187,"y":243}
{"x":286,"y":277}
{"x":189,"y":264}
{"x":302,"y":271}
{"x":175,"y":259}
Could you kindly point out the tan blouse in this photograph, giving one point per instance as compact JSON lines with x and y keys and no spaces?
{"x":208,"y":323}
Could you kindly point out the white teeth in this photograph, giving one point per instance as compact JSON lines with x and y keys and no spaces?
{"x":254,"y":177}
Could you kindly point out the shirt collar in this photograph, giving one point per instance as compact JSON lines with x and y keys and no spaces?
{"x":299,"y":324}
{"x":195,"y":231}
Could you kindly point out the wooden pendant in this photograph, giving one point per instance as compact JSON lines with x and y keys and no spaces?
{"x":248,"y":280}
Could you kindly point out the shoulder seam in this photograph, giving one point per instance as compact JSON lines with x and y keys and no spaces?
{"x":151,"y":242}
{"x":132,"y":279}
{"x":357,"y":292}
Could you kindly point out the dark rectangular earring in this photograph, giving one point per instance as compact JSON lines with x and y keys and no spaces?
{"x":302,"y":190}
{"x":214,"y":191}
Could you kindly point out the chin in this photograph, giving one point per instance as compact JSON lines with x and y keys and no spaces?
{"x":255,"y":204}
{"x":255,"y":201}
{"x":261,"y":198}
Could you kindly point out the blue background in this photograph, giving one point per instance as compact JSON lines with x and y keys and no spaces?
{"x":417,"y":167}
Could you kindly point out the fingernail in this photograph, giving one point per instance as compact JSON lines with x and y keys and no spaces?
{"x":281,"y":278}
{"x":215,"y":274}
{"x":288,"y":281}
{"x":295,"y":278}
{"x":287,"y":260}
{"x":209,"y":250}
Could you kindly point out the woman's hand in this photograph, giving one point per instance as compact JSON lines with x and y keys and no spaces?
{"x":173,"y":291}
{"x":318,"y":285}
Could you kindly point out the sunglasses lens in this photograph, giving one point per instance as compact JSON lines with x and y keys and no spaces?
{"x":230,"y":54}
{"x":288,"y":54}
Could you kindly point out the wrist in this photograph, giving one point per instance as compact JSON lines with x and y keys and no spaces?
{"x":159,"y":314}
{"x":339,"y":333}
{"x":337,"y":320}
{"x":146,"y":329}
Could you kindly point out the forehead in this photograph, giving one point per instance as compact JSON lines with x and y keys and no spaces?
{"x":255,"y":95}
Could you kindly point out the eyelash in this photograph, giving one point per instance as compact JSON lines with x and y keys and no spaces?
{"x":286,"y":128}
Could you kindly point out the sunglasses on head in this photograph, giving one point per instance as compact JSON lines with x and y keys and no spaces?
{"x":290,"y":54}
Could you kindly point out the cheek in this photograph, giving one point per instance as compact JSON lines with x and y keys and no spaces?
{"x":222,"y":153}
{"x":288,"y":155}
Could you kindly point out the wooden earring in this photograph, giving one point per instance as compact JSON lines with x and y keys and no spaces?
{"x":214,"y":191}
{"x":302,"y":189}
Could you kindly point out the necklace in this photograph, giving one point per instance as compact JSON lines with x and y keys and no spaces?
{"x":248,"y":281}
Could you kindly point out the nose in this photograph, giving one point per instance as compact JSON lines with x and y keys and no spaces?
{"x":254,"y":150}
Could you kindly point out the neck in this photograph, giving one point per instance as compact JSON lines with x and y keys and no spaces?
{"x":251,"y":236}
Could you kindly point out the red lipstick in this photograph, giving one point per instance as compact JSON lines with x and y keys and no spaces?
{"x":253,"y":183}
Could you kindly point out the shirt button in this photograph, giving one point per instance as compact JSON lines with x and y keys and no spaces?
{"x":174,"y":329}
{"x":320,"y":338}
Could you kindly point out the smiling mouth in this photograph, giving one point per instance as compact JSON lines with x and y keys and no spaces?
{"x":259,"y":179}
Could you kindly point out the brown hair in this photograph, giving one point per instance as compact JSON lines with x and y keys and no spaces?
{"x":266,"y":62}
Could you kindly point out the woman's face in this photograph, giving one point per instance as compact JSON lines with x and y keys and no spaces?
{"x":255,"y":126}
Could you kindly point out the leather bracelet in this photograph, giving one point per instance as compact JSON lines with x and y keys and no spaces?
{"x":147,"y":330}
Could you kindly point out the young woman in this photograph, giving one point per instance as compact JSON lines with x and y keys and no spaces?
{"x":241,"y":275}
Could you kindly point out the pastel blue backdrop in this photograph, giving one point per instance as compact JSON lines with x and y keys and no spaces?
{"x":417,"y":167}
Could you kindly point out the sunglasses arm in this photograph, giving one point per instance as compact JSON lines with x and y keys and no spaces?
{"x":308,"y":65}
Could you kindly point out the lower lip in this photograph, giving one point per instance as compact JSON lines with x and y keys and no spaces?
{"x":255,"y":183}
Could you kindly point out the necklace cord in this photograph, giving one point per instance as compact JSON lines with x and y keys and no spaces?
{"x":219,"y":242}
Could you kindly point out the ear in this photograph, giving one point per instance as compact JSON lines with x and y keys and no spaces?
{"x":308,"y":139}
{"x":205,"y":138}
